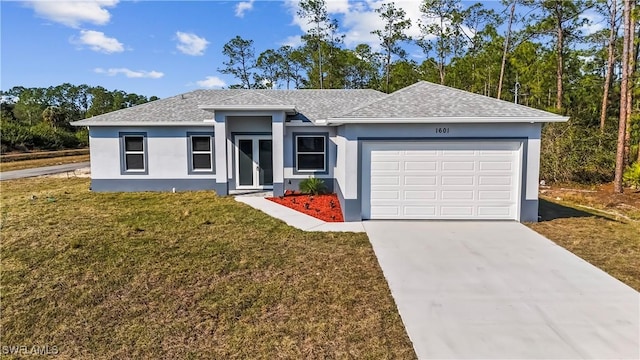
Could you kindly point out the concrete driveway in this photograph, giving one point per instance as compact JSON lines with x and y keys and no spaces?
{"x":498,"y":290}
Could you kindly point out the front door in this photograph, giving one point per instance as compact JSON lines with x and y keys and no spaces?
{"x":254,"y":162}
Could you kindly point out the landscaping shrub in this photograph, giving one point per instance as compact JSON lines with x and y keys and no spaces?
{"x":631,"y":176}
{"x":313,"y":186}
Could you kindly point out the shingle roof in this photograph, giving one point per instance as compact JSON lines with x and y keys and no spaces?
{"x":312,"y":105}
{"x":420,"y":102}
{"x":427,"y":100}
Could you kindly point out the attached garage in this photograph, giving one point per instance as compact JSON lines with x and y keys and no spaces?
{"x":454,"y":179}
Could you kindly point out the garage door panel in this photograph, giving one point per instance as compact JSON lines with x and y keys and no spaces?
{"x":419,"y":180}
{"x":491,"y":211}
{"x":385,"y":180}
{"x":389,"y":211}
{"x":458,"y":165}
{"x":457,"y":180}
{"x":385,"y":195}
{"x":494,"y":180}
{"x":420,"y":165}
{"x":441,"y":180}
{"x":385,"y":166}
{"x":456,"y":211}
{"x":419,"y":211}
{"x":494,"y":195}
{"x":410,"y":195}
{"x":505,"y":165}
{"x":456,"y":195}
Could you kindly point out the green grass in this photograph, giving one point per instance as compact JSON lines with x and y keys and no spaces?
{"x":185,"y":275}
{"x":612,"y":244}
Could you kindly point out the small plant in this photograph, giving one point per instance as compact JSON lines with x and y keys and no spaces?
{"x":631,"y":176}
{"x":313,"y":186}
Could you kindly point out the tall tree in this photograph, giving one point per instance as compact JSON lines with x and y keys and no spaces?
{"x":441,"y":20}
{"x":631,"y":83}
{"x":395,"y":25}
{"x":624,"y":86}
{"x":505,"y":50}
{"x":612,"y":7}
{"x":240,"y":62}
{"x":561,"y":20}
{"x":315,"y":12}
{"x":271,"y":63}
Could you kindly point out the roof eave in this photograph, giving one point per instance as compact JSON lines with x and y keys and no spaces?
{"x":286,"y":108}
{"x":141,"y":123}
{"x":439,"y":120}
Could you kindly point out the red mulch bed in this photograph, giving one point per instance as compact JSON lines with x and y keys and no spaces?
{"x":324,"y":207}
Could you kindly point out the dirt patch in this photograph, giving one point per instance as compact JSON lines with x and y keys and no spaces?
{"x":325,"y":207}
{"x":79,"y":173}
{"x":598,"y":197}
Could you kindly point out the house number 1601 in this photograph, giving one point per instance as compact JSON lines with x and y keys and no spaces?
{"x":442,"y":130}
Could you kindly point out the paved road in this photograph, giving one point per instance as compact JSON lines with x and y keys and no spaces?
{"x":498,"y":290}
{"x":47,"y":170}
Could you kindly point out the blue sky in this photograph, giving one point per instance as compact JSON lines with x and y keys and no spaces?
{"x":157,"y":48}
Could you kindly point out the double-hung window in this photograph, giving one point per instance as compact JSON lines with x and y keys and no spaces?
{"x":311,"y":153}
{"x":201,"y":153}
{"x":134,"y":149}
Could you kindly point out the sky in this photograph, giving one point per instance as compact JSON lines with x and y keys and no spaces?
{"x":160,"y":48}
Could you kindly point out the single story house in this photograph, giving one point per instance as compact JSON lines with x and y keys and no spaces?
{"x":423,"y":152}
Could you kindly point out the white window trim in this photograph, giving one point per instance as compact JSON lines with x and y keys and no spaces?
{"x":323,"y":153}
{"x":132,"y":152}
{"x":195,"y":152}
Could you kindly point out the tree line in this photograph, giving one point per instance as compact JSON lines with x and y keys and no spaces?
{"x":38,"y":118}
{"x":532,"y":52}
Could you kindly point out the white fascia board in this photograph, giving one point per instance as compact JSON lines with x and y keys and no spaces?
{"x":141,"y":124}
{"x":440,"y":120}
{"x":287,"y":108}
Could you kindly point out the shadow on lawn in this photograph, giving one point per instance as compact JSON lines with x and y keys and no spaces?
{"x":550,"y":211}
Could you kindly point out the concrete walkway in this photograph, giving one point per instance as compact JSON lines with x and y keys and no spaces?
{"x":498,"y":290}
{"x":46,"y":170}
{"x":297,"y":219}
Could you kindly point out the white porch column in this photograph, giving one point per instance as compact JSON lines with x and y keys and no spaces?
{"x":220,"y":144}
{"x":277,"y":135}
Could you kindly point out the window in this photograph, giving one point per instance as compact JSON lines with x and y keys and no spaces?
{"x":134,"y":153}
{"x":311,"y":153}
{"x":201,"y":153}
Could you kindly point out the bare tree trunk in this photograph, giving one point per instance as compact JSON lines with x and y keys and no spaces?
{"x":559,"y":65}
{"x":610,"y":61}
{"x":624,"y":85}
{"x":630,"y":71}
{"x":506,"y":49}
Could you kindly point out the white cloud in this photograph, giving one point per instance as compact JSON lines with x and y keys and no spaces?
{"x":130,"y":73}
{"x":98,"y":41}
{"x":191,"y":44}
{"x":243,"y":6}
{"x":595,"y":22}
{"x":293,"y":41}
{"x":211,"y":82}
{"x":74,"y":13}
{"x":359,"y":18}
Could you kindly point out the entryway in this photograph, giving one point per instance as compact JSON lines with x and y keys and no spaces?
{"x":254,"y":162}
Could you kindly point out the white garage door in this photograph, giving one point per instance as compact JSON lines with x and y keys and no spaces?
{"x":441,"y":180}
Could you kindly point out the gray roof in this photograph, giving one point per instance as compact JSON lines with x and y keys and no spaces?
{"x":427,"y":100}
{"x":186,"y":109}
{"x":420,"y":102}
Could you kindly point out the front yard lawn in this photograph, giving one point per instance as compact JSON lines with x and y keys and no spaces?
{"x":185,"y":275}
